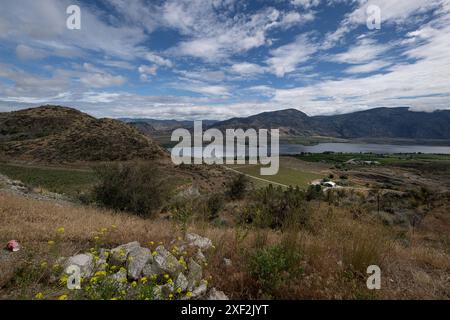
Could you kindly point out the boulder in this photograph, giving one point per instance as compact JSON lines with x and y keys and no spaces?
{"x":198,"y":241}
{"x":136,"y":261}
{"x":181,"y":282}
{"x":166,"y":262}
{"x":215,"y":294}
{"x":200,"y":256}
{"x":119,"y":255}
{"x":150,"y":269}
{"x":195,"y":274}
{"x":84,"y":261}
{"x":120,"y":278}
{"x":200,"y":290}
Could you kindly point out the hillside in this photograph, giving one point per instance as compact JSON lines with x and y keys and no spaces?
{"x":375,"y":123}
{"x":59,"y":134}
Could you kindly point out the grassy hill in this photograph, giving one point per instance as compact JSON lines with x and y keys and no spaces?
{"x":58,"y":134}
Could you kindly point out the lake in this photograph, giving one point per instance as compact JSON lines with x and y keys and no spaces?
{"x":362,"y":148}
{"x":291,"y":149}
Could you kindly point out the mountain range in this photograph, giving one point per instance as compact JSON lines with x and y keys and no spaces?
{"x":398,"y":123}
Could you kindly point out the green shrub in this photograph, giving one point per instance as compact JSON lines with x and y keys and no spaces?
{"x":137,"y":187}
{"x":274,"y":266}
{"x":214,"y":204}
{"x":237,"y":188}
{"x":277,"y":208}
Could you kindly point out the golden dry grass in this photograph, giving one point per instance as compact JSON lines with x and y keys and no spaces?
{"x":335,"y":249}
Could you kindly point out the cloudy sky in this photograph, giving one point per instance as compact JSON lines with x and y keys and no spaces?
{"x":214,"y":59}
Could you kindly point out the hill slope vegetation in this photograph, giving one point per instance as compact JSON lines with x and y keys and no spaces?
{"x":59,"y":134}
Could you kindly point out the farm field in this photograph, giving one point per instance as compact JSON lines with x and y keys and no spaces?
{"x":60,"y":180}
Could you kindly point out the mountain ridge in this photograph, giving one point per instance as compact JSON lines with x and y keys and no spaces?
{"x":374,"y":123}
{"x":61,"y":134}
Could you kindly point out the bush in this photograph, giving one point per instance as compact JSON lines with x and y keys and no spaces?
{"x":214,"y":204}
{"x":277,"y":208}
{"x":314,"y":192}
{"x":137,"y":187}
{"x":237,"y":187}
{"x":274,"y":266}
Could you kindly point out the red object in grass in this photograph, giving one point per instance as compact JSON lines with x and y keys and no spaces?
{"x":13,"y":246}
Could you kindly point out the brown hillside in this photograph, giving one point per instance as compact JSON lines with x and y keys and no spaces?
{"x":59,"y":134}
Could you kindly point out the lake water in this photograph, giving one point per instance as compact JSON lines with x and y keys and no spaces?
{"x":290,"y":149}
{"x":362,"y":148}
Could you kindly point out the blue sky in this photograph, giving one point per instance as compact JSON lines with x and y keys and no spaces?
{"x":215,"y":59}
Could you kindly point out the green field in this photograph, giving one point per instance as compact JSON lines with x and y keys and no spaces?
{"x":59,"y":180}
{"x":286,"y":176}
{"x":338,"y":158}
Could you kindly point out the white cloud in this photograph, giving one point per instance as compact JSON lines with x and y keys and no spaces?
{"x":158,"y":60}
{"x":366,"y":50}
{"x":24,"y":52}
{"x":305,"y":3}
{"x":285,"y":59}
{"x":245,"y":68}
{"x":100,"y":80}
{"x":368,"y":67}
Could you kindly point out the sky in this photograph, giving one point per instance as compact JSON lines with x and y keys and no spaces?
{"x":216,"y":59}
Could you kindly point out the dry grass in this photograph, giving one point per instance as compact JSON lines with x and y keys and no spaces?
{"x":335,"y":250}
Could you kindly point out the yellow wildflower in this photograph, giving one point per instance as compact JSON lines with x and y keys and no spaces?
{"x":154,"y":253}
{"x":63,"y":280}
{"x":188,"y":294}
{"x":39,"y":296}
{"x":44,"y":264}
{"x":166,"y":276}
{"x":96,"y":238}
{"x":63,"y":297}
{"x":61,"y":230}
{"x":51,"y":242}
{"x":144,"y":280}
{"x":134,"y":284}
{"x":179,"y":290}
{"x":100,"y":274}
{"x":170,"y":296}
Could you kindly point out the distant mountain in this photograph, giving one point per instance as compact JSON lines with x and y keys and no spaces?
{"x":60,"y":134}
{"x":164,"y":125}
{"x":398,"y":123}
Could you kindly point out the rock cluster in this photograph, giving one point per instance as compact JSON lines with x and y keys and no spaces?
{"x":132,"y":263}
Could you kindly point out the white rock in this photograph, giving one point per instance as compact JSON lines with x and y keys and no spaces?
{"x":119,"y":255}
{"x":120,"y":278}
{"x":198,"y":241}
{"x":150,"y":269}
{"x":166,"y":262}
{"x":136,"y":261}
{"x":84,"y":261}
{"x":195,"y":274}
{"x":216,"y":295}
{"x":200,"y":256}
{"x":200,"y":290}
{"x":181,"y":282}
